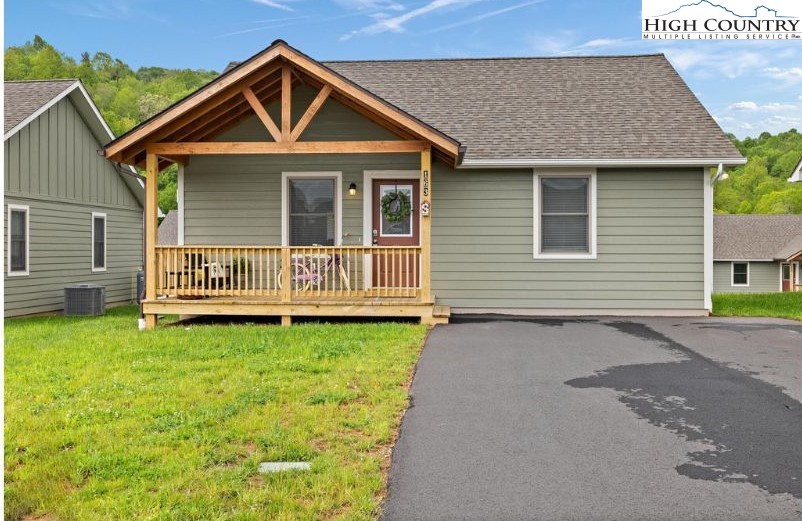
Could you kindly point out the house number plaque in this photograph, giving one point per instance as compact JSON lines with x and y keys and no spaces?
{"x":425,"y":183}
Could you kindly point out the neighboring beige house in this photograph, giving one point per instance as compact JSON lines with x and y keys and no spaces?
{"x":572,"y":185}
{"x":757,"y":253}
{"x":70,"y":216}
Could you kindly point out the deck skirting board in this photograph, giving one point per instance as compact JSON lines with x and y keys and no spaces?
{"x":426,"y":312}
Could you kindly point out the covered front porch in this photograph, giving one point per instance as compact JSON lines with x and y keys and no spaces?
{"x":371,"y":281}
{"x":269,"y":118}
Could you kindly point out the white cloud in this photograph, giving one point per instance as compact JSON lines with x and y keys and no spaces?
{"x":564,"y":43}
{"x":776,"y":107}
{"x":371,"y":5}
{"x":396,"y":23}
{"x":715,"y":62}
{"x":485,"y":16}
{"x":275,"y":4}
{"x":602,"y":42}
{"x":751,"y":122}
{"x":743,"y":105}
{"x":685,"y":59}
{"x":791,"y":75}
{"x":767,"y":107}
{"x":110,"y":10}
{"x":556,"y":43}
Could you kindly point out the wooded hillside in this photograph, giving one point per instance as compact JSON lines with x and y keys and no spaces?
{"x":761,"y":185}
{"x":126,"y":97}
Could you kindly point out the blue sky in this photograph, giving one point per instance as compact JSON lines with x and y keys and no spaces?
{"x":749,"y":87}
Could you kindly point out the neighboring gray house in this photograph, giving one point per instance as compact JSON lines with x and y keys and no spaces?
{"x":757,"y":253}
{"x":573,"y":185}
{"x":168,"y":228}
{"x":70,"y":216}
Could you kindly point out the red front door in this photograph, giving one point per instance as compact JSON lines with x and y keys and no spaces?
{"x":397,"y":269}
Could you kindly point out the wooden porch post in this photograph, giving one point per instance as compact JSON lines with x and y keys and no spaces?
{"x":426,"y":225}
{"x":151,"y":232}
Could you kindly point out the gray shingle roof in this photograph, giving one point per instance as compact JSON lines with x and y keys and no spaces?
{"x":756,"y":237}
{"x":597,"y":107}
{"x":23,"y":98}
{"x":168,"y":229}
{"x":622,"y":107}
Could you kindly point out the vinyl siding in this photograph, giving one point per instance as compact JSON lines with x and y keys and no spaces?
{"x":52,"y":166}
{"x":237,"y":201}
{"x":649,"y":254}
{"x":763,"y":277}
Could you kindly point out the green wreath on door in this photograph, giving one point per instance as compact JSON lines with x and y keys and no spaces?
{"x":396,"y":206}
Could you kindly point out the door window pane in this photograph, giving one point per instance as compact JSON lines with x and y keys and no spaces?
{"x":311,"y":219}
{"x":19,"y":240}
{"x":402,"y":228}
{"x":564,"y":214}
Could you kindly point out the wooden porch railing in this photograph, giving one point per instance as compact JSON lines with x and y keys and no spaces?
{"x":289,"y":273}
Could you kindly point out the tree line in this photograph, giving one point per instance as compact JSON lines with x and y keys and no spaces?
{"x":126,"y":97}
{"x":761,"y":185}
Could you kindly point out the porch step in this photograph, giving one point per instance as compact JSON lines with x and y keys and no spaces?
{"x":441,"y":311}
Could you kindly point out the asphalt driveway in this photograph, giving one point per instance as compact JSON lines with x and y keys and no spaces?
{"x":658,"y":418}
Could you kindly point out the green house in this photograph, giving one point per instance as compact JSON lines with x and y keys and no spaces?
{"x":424,"y":188}
{"x":71,"y":217}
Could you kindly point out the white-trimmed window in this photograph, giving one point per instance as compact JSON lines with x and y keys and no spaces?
{"x":98,"y":241}
{"x":739,"y":274}
{"x":565,"y":214}
{"x":18,"y":240}
{"x":311,"y":208}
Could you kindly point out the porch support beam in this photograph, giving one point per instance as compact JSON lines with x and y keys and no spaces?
{"x":426,"y":225}
{"x":286,"y":102}
{"x":181,"y":160}
{"x":321,"y":97}
{"x":297,"y":147}
{"x":151,"y":231}
{"x":262,"y":114}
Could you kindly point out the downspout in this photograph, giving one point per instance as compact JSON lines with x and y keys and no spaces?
{"x":140,"y":296}
{"x":719,"y":175}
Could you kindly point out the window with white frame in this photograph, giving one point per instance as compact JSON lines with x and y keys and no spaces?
{"x":565,"y":220}
{"x":311,"y":209}
{"x":98,"y":242}
{"x":740,"y":273}
{"x":18,"y":240}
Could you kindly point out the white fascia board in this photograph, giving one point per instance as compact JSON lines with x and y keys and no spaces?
{"x":743,"y":260}
{"x":94,"y":111}
{"x":534,"y":163}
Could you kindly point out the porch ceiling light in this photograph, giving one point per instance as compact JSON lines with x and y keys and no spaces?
{"x":352,"y":189}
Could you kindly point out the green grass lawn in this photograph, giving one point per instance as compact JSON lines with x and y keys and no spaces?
{"x":780,"y":305}
{"x":105,"y":422}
